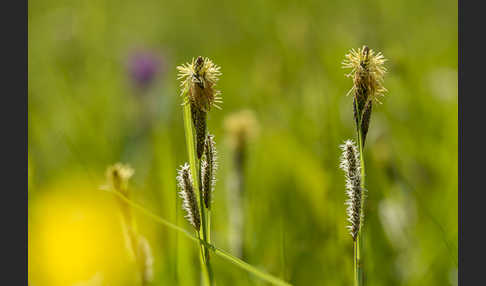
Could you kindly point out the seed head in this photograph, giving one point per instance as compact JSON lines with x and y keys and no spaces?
{"x":350,"y":164}
{"x":367,"y":71}
{"x":241,"y":127}
{"x":118,"y":176}
{"x":198,"y":80}
{"x":208,"y":168}
{"x":186,"y":192}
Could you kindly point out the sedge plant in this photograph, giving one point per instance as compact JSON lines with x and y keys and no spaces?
{"x":367,"y":72}
{"x":241,"y":127}
{"x":118,"y":176}
{"x":195,"y":179}
{"x":198,"y":81}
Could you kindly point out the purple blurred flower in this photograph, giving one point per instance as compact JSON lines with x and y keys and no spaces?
{"x":144,"y":66}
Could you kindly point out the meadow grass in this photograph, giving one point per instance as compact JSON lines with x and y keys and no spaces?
{"x":280,"y":60}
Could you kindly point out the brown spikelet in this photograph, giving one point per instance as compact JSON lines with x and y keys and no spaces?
{"x":199,"y":120}
{"x":208,"y":169}
{"x":189,"y":203}
{"x":356,"y":114}
{"x":365,"y":120}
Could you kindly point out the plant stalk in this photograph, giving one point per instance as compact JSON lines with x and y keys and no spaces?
{"x":195,"y":172}
{"x":358,"y":244}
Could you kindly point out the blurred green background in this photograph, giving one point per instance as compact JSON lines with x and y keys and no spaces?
{"x":102,"y":88}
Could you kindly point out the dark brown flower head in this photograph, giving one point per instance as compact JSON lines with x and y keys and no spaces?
{"x":200,"y":125}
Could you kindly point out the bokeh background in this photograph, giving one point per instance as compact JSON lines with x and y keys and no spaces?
{"x":102,"y":89}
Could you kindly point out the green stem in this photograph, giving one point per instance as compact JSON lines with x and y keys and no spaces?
{"x":217,"y":251}
{"x":355,"y":263}
{"x":249,"y":268}
{"x":358,"y":244}
{"x":358,"y":267}
{"x":208,"y":240}
{"x":132,"y":233}
{"x":209,"y":225}
{"x":205,"y":272}
{"x":195,"y":172}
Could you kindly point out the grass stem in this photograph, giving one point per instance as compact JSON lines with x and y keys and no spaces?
{"x":358,"y":244}
{"x":217,"y":251}
{"x":196,"y":175}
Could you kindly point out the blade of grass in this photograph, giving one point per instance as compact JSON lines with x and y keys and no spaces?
{"x":221,"y":253}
